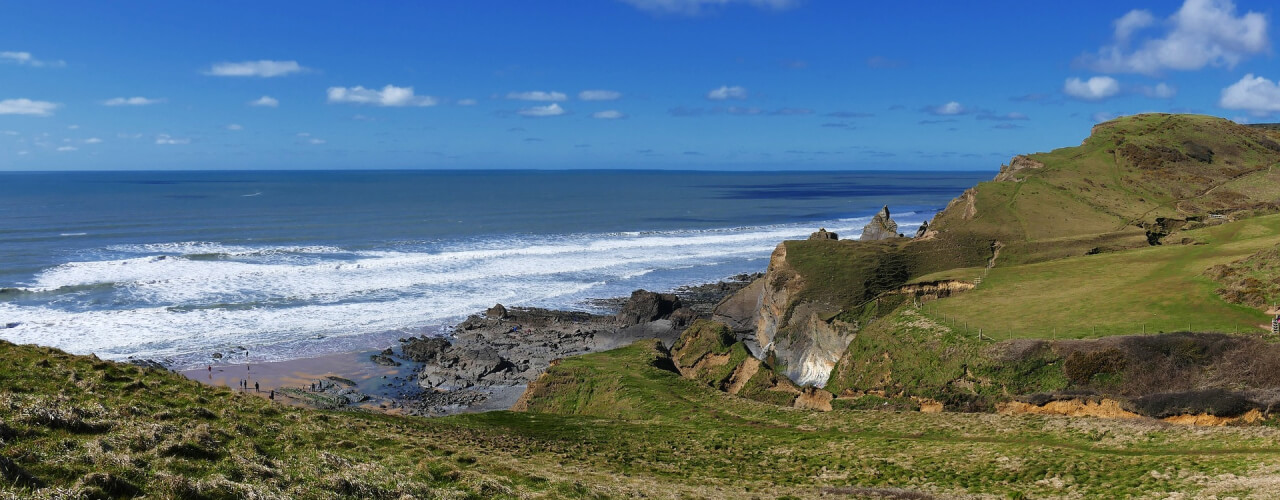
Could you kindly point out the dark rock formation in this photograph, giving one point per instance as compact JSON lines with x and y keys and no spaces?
{"x":881,"y":227}
{"x":460,"y":367}
{"x":823,"y":234}
{"x":424,"y":350}
{"x":924,"y":228}
{"x":645,"y":306}
{"x":496,"y":312}
{"x":487,"y":361}
{"x":384,"y":360}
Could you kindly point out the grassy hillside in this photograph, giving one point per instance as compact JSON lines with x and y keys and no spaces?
{"x":1097,"y":220}
{"x":1151,"y":289}
{"x":73,"y":426}
{"x":1112,"y":188}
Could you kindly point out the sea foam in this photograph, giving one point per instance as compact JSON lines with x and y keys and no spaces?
{"x":182,"y":300}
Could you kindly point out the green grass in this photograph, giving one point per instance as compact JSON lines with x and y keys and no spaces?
{"x":173,"y":438}
{"x":1150,"y":289}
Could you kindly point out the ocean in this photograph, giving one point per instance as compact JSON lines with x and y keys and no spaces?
{"x":178,"y":265}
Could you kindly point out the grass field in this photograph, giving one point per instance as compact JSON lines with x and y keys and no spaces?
{"x":76,"y":427}
{"x":1161,"y":288}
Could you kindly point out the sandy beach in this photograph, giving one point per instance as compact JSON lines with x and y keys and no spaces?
{"x":368,"y":377}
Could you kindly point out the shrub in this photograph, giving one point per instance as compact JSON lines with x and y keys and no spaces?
{"x":1216,"y":402}
{"x":1080,"y":366}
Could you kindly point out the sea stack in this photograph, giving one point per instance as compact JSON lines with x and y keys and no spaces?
{"x":881,"y":227}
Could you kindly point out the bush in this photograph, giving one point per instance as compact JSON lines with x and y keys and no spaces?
{"x":1216,"y":402}
{"x":1080,"y":367}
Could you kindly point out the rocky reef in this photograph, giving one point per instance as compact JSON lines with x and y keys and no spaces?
{"x":490,"y":358}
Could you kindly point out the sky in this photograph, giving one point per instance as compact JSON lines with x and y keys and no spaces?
{"x":637,"y":84}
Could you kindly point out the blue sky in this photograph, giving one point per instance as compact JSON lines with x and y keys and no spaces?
{"x":687,"y":84}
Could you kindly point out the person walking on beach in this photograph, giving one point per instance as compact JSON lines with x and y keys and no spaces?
{"x":273,"y":395}
{"x":255,"y":387}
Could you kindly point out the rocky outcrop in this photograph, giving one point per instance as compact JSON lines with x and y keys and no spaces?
{"x":708,"y":352}
{"x":933,"y":290}
{"x":738,"y":311}
{"x":823,"y":234}
{"x":923,"y":230}
{"x":881,"y":227}
{"x":461,"y":367}
{"x":1008,"y":173}
{"x":645,"y":306}
{"x":498,"y":311}
{"x":803,"y":339}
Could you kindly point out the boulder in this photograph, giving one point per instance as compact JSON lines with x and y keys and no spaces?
{"x":645,"y":306}
{"x":881,"y":227}
{"x":823,"y":234}
{"x":424,"y":350}
{"x":496,"y":312}
{"x":384,"y":360}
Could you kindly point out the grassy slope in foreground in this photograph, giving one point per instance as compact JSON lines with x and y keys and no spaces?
{"x":75,"y":424}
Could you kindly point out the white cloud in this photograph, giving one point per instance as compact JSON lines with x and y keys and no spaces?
{"x":26,"y":59}
{"x":390,"y":96}
{"x":123,"y":135}
{"x":537,"y":95}
{"x":235,"y":126}
{"x":73,"y":127}
{"x":1160,"y":91}
{"x":466,"y":102}
{"x":9,"y":132}
{"x":169,"y":140}
{"x":1093,"y":89}
{"x":264,"y":69}
{"x":265,"y":101}
{"x":951,"y":108}
{"x":1103,"y":116}
{"x":1201,"y":33}
{"x":1254,"y":94}
{"x":1131,"y":22}
{"x":67,"y":148}
{"x":316,"y":141}
{"x":93,"y":140}
{"x":23,"y":153}
{"x":540,"y":111}
{"x":131,"y":101}
{"x":727,"y":92}
{"x":304,"y":134}
{"x":695,"y":7}
{"x":599,"y":95}
{"x":27,"y":107}
{"x":608,"y":114}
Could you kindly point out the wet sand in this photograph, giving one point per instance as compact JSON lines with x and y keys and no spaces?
{"x":369,"y":377}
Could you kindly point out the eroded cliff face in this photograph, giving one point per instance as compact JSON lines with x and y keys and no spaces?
{"x":802,"y":337}
{"x":1009,"y":173}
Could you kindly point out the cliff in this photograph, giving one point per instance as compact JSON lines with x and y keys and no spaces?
{"x":1134,"y":182}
